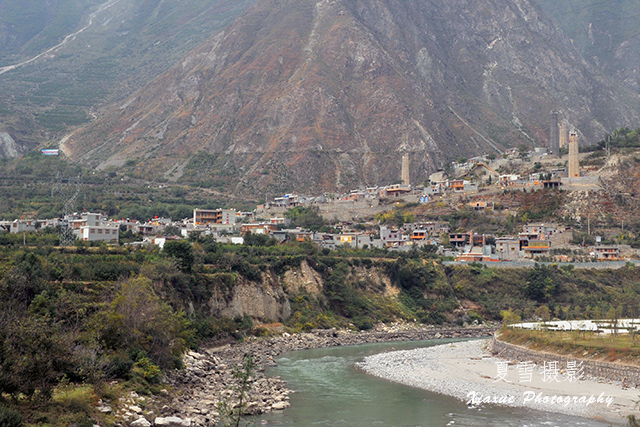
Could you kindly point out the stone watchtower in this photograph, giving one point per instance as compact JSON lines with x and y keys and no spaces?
{"x":554,"y":134}
{"x":574,"y":164}
{"x":405,"y":170}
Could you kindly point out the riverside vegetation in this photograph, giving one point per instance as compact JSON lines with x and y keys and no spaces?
{"x":623,"y":347}
{"x":94,"y":322}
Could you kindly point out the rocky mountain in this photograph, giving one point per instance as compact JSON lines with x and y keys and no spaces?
{"x":605,"y":33}
{"x":62,"y":59}
{"x":327,"y":94}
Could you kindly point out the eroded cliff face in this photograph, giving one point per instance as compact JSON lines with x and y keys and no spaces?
{"x":265,"y":300}
{"x":325,"y":95}
{"x":303,"y":279}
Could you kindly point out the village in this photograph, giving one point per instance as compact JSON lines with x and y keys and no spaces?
{"x":356,"y":219}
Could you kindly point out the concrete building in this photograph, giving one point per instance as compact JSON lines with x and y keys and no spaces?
{"x":574,"y":163}
{"x":103,"y":233}
{"x":507,"y":248}
{"x":372,"y":192}
{"x":214,"y":216}
{"x":93,"y":227}
{"x":146,"y":229}
{"x":392,"y":191}
{"x":431,"y":228}
{"x":539,"y":231}
{"x":22,"y":225}
{"x":288,"y":200}
{"x":532,"y":248}
{"x":355,"y":240}
{"x":86,"y":219}
{"x":460,"y":240}
{"x":261,"y":228}
{"x":128,"y":225}
{"x":435,"y":189}
{"x":194,"y":230}
{"x":607,"y":252}
{"x":506,"y":179}
{"x":392,"y":237}
{"x":478,"y":254}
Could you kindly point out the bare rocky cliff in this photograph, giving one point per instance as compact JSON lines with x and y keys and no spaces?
{"x":326,"y":95}
{"x":8,"y":147}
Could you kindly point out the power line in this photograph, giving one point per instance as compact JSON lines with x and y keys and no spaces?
{"x":69,"y":190}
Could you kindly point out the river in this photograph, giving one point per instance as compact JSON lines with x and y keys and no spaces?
{"x":330,"y":391}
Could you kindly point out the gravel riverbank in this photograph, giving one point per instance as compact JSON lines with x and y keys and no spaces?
{"x":468,"y":371}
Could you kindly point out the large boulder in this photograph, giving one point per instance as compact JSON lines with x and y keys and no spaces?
{"x":141,"y":422}
{"x":172,"y":422}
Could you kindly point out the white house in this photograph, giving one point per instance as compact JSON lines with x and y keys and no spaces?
{"x":93,"y":227}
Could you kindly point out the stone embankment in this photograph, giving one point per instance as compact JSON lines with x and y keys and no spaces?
{"x":207,"y":380}
{"x":626,"y":375}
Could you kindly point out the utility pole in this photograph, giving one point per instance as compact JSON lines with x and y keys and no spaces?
{"x":588,"y":216}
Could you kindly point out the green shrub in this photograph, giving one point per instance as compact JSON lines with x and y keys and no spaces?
{"x":147,"y":370}
{"x":139,"y":320}
{"x":363,"y":323}
{"x":10,"y":417}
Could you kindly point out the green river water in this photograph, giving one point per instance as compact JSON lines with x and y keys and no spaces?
{"x":330,"y":391}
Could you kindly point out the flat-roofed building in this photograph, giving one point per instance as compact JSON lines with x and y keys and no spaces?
{"x":607,"y":252}
{"x":507,"y":248}
{"x":214,"y":216}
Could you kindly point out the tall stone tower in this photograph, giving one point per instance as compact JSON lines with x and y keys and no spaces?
{"x":405,"y":170}
{"x":554,"y":136}
{"x":574,"y":164}
{"x":563,"y":134}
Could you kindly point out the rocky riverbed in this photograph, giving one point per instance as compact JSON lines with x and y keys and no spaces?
{"x":207,"y":380}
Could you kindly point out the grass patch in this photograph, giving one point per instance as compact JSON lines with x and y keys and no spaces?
{"x":587,"y":345}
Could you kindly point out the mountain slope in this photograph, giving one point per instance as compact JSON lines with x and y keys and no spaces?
{"x":328,"y":94}
{"x":26,"y":28}
{"x":116,"y":46}
{"x":604,"y":32}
